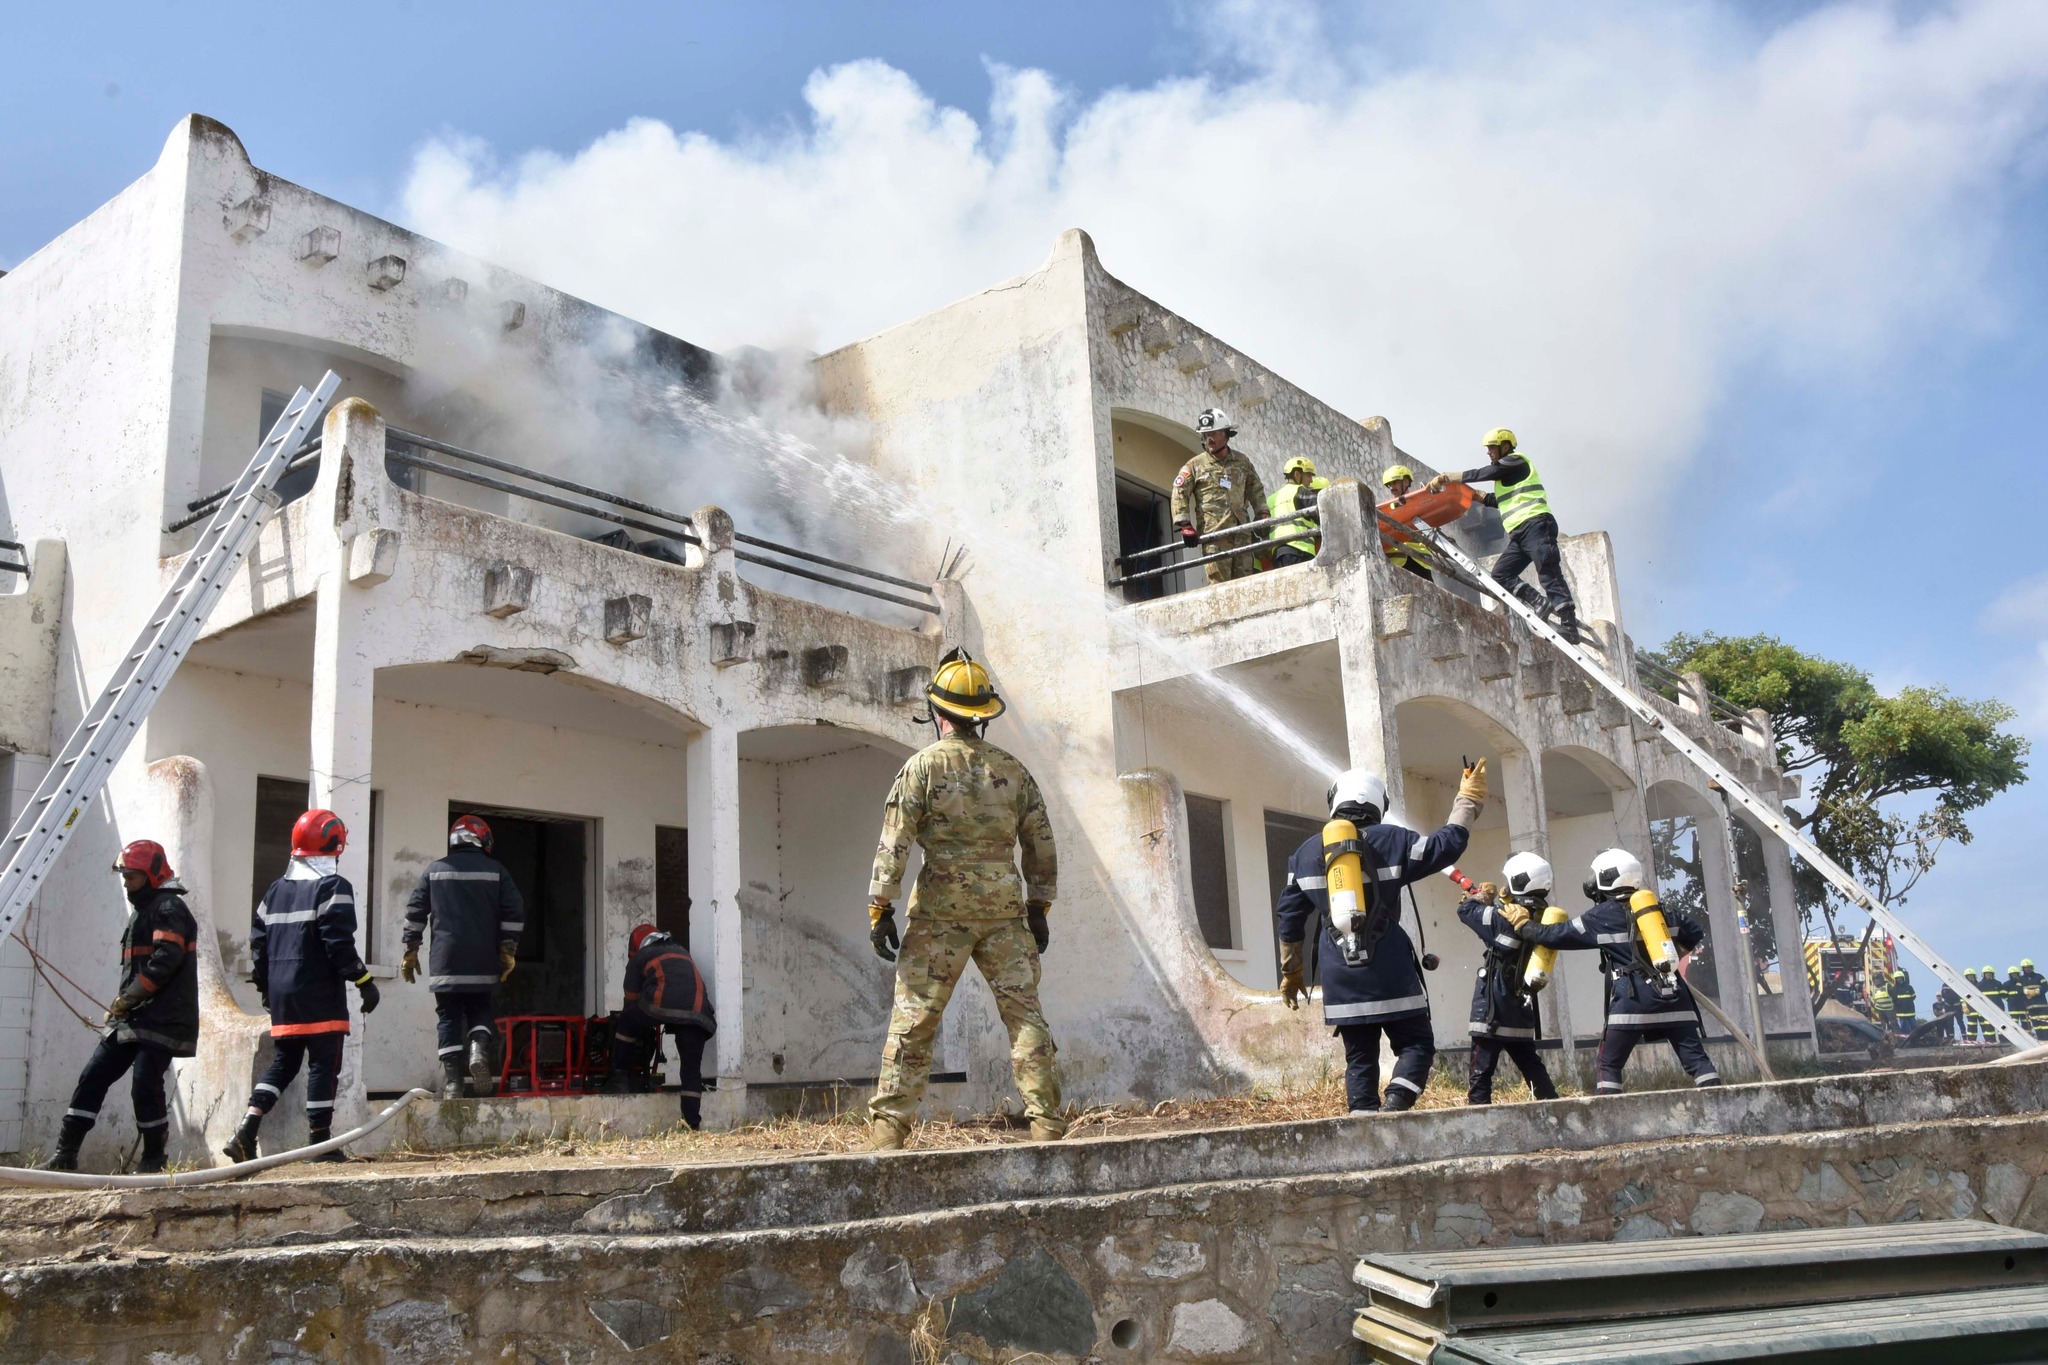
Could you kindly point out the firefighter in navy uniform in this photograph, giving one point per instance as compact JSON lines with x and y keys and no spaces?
{"x":1646,"y":997}
{"x":1905,"y":1003}
{"x":1504,"y":1017}
{"x":303,"y":936}
{"x":478,"y":918}
{"x":664,"y":990}
{"x":2036,"y":987}
{"x":154,"y":1017}
{"x":1948,"y":1009}
{"x":1371,"y":977}
{"x":1973,"y":1022}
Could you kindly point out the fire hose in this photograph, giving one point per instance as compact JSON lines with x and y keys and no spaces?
{"x":74,"y":1180}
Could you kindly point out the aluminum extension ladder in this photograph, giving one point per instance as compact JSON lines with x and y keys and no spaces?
{"x":81,"y":770}
{"x":1766,"y":813}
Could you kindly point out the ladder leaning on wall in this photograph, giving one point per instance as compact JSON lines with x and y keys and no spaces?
{"x":80,"y":771}
{"x":1766,"y":813}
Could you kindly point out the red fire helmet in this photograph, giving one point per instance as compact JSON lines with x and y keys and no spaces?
{"x":639,"y":937}
{"x":147,"y":857}
{"x":318,"y":834}
{"x":472,"y":825}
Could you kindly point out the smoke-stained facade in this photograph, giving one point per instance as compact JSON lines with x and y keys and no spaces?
{"x":671,"y":731}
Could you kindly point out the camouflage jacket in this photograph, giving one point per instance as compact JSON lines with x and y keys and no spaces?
{"x":1215,"y":491}
{"x":969,"y":805}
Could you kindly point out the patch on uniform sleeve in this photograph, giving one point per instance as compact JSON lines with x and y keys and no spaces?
{"x":1181,"y":477}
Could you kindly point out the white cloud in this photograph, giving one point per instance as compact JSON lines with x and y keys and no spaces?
{"x":1580,"y":228}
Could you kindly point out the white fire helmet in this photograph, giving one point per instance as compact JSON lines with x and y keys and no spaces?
{"x":1524,"y":873}
{"x":1616,"y":868}
{"x":1214,"y":419}
{"x":1358,"y":786}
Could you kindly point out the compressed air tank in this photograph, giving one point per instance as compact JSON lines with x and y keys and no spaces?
{"x":1346,"y":885}
{"x":1653,"y":932}
{"x":1543,"y":959}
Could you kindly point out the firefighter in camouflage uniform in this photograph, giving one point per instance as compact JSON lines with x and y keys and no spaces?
{"x":1216,"y":490}
{"x":970,"y":806}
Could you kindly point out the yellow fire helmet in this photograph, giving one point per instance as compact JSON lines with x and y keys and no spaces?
{"x":1299,"y":462}
{"x":1500,"y":436}
{"x":961,"y":689}
{"x":1395,"y":473}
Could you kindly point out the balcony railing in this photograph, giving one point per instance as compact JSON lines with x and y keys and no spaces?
{"x":19,"y":561}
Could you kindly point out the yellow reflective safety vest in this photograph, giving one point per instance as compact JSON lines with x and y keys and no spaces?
{"x":1521,"y":501}
{"x":1279,"y":504}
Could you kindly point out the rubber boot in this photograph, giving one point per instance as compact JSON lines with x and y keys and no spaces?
{"x":242,"y":1146}
{"x":886,"y":1135}
{"x":483,"y":1073}
{"x":153,"y":1142}
{"x":319,"y":1135}
{"x":1399,"y":1097}
{"x":454,"y":1081}
{"x":70,"y":1137}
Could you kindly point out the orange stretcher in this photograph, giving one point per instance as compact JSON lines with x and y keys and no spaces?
{"x":1431,"y":509}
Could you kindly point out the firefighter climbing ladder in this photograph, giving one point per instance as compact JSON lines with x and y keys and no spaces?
{"x":88,"y":757}
{"x":1766,"y":813}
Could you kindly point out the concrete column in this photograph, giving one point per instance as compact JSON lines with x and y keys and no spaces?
{"x":344,"y":676}
{"x":1732,"y":973}
{"x":712,"y":778}
{"x":1793,"y":1011}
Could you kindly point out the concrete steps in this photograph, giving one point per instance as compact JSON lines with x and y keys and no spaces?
{"x":1224,"y":1245}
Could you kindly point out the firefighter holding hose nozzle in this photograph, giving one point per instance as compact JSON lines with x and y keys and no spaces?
{"x":1349,"y":878}
{"x":1640,"y":948}
{"x":1504,"y":1014}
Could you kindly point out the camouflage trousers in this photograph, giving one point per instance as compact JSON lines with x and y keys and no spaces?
{"x":1237,"y":566}
{"x":935,"y":952}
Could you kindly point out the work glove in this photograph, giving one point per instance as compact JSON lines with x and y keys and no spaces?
{"x":1472,"y":787}
{"x":1034,"y":917}
{"x":1440,"y":482}
{"x":121,"y":1006}
{"x":1189,"y":535}
{"x":409,"y":965}
{"x":1291,"y":989}
{"x":1514,"y":914}
{"x":1488,"y":892}
{"x":882,"y":930}
{"x":507,"y":960}
{"x":369,"y":992}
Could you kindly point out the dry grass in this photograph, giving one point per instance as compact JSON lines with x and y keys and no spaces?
{"x":843,"y":1129}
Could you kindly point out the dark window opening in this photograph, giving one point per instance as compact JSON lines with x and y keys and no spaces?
{"x":672,"y":882}
{"x":1285,"y":833}
{"x":1209,"y":857}
{"x":298,"y":482}
{"x":548,"y":858}
{"x":1143,"y":522}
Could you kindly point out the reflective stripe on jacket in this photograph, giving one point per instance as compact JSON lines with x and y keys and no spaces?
{"x":1295,"y":497}
{"x":303,"y":936}
{"x":1389,"y":986}
{"x":157,"y":967}
{"x":475,"y":908}
{"x":1519,"y":502}
{"x":663,"y":983}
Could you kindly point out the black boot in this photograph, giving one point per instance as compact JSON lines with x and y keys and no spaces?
{"x":453,"y":1079}
{"x":70,"y":1137}
{"x":1399,"y":1097}
{"x":693,"y":1111}
{"x":315,"y":1136}
{"x":483,"y":1068}
{"x":242,"y":1147}
{"x":153,"y":1141}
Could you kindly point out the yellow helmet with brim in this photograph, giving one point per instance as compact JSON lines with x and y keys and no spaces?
{"x":961,"y":689}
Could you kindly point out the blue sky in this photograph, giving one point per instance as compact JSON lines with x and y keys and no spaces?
{"x":1763,"y":285}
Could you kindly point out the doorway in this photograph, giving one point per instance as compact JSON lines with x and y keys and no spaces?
{"x":549,"y":859}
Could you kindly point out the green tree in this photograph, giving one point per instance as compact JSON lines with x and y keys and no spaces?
{"x":1892,"y":778}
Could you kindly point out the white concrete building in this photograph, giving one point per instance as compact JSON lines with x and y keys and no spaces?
{"x":694,"y":737}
